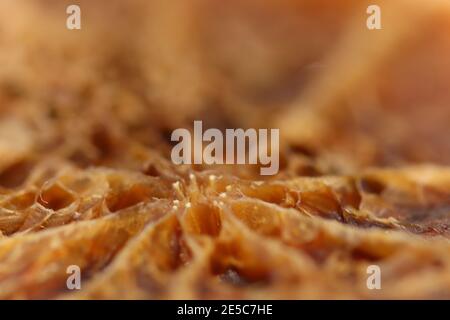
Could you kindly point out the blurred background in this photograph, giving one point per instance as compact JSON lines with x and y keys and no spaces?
{"x":344,"y":97}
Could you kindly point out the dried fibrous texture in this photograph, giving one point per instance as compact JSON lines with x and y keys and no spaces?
{"x":216,"y":236}
{"x":86,"y":178}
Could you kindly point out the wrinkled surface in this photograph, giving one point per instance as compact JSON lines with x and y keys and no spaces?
{"x":85,"y":171}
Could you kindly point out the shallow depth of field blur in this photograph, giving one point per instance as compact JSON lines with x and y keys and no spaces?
{"x":86,"y":179}
{"x":344,"y":95}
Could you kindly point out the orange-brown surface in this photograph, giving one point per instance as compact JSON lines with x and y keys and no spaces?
{"x":85,"y":171}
